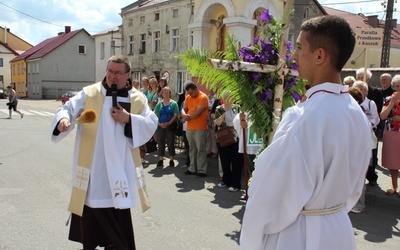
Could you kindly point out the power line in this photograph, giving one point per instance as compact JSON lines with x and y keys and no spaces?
{"x":366,"y":1}
{"x":23,"y":13}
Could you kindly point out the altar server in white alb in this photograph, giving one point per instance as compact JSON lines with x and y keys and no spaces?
{"x":311,"y":175}
{"x":107,"y":166}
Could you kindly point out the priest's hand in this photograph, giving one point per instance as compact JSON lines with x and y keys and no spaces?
{"x":63,"y":125}
{"x":119,"y":114}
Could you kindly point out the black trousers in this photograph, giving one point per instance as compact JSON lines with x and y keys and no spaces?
{"x":231,"y":163}
{"x":103,"y":227}
{"x":371,"y":173}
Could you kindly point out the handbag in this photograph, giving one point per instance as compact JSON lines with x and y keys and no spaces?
{"x":151,"y":145}
{"x":173,"y":126}
{"x":225,"y":136}
{"x":179,"y":129}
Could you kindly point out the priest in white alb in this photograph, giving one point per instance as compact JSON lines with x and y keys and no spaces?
{"x":107,"y":174}
{"x":311,"y":175}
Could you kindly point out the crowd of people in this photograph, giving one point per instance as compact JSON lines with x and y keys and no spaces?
{"x":304,"y":183}
{"x":380,"y":107}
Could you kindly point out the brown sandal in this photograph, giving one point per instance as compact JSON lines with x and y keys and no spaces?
{"x":391,"y":192}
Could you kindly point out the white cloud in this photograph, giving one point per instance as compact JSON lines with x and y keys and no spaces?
{"x":92,"y":15}
{"x":373,"y":7}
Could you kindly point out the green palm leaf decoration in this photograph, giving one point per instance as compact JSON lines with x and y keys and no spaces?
{"x":254,"y":91}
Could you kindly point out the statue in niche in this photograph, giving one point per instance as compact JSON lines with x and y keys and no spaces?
{"x":259,"y":27}
{"x":219,"y":24}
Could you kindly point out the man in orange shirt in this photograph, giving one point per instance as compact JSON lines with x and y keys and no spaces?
{"x":195,"y":112}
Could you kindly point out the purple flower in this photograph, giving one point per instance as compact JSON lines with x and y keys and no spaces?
{"x":290,"y":83}
{"x":288,"y":56}
{"x":296,"y":96}
{"x":253,"y":77}
{"x":289,"y":46}
{"x":266,"y":47}
{"x":293,"y":66}
{"x":271,"y":80}
{"x":265,"y":16}
{"x":266,"y":95}
{"x":255,"y":39}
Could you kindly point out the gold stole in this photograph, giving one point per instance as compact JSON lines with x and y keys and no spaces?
{"x":94,"y":100}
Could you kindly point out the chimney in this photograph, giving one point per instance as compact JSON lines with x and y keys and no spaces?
{"x":60,"y":33}
{"x":393,"y":24}
{"x":67,"y":29}
{"x":373,"y":21}
{"x":5,"y":34}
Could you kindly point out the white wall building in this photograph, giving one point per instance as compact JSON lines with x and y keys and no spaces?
{"x":107,"y":44}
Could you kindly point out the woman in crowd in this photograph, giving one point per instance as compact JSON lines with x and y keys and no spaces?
{"x":349,"y":81}
{"x":167,"y":112}
{"x":359,"y":94}
{"x":152,"y":92}
{"x":145,"y":86}
{"x":161,"y":84}
{"x":231,"y":161}
{"x":371,"y":111}
{"x":391,"y":135}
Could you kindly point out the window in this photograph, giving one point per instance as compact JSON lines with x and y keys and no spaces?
{"x":102,"y":48}
{"x":175,"y":40}
{"x":29,"y":68}
{"x":112,"y":50}
{"x":19,"y":69}
{"x":156,"y":16}
{"x":1,"y":62}
{"x":1,"y":81}
{"x":305,"y":13}
{"x":13,"y":69}
{"x":191,"y":39}
{"x":156,"y":41}
{"x":142,"y":49}
{"x":142,"y":19}
{"x":130,"y":45}
{"x":136,"y":75}
{"x":37,"y":68}
{"x":192,"y":9}
{"x":82,"y":49}
{"x":130,"y":22}
{"x":175,"y":13}
{"x":181,"y":77}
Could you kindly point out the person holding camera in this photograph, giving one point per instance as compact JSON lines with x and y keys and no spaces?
{"x":12,"y":102}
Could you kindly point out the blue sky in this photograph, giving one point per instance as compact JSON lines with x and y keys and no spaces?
{"x":98,"y":15}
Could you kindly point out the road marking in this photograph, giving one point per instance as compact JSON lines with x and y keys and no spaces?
{"x":29,"y":113}
{"x":25,"y":112}
{"x":50,"y":114}
{"x":39,"y":113}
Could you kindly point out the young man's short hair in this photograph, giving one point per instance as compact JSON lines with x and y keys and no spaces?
{"x":334,"y":35}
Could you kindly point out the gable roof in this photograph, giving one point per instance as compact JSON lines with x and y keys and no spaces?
{"x":361,"y":21}
{"x":9,"y":48}
{"x":141,"y":4}
{"x":48,"y":45}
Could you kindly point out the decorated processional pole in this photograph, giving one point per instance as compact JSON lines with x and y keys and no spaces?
{"x":277,"y":113}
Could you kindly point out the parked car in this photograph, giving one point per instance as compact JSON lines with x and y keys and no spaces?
{"x":2,"y":94}
{"x":65,"y":97}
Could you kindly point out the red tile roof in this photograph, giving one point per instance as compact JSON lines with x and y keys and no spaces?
{"x":48,"y":45}
{"x":361,"y":21}
{"x":9,"y":48}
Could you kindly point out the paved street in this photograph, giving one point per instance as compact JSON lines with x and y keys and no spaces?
{"x":187,"y":212}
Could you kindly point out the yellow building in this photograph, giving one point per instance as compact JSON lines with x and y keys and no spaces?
{"x":18,"y":76}
{"x":213,"y":19}
{"x":14,"y":71}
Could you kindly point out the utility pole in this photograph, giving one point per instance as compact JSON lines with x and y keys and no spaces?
{"x":387,"y":34}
